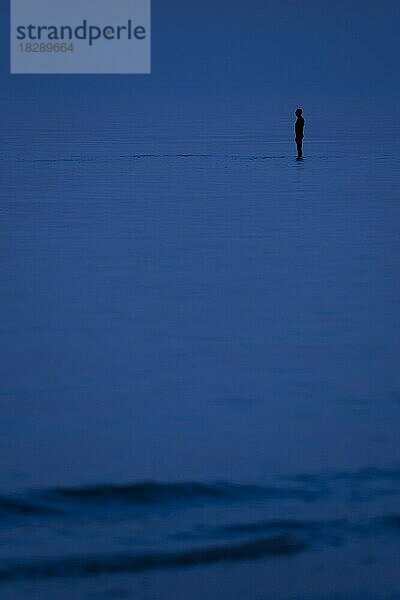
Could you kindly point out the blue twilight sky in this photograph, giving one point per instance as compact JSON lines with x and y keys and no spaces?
{"x":203,"y":49}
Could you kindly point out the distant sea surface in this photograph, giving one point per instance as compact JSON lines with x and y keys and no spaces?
{"x":200,"y":393}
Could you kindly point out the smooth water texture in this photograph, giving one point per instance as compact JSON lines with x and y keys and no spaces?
{"x":200,"y":392}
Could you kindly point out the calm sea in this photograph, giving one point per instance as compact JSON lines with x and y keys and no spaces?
{"x":200,"y":393}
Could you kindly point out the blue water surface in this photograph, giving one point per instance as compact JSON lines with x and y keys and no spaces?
{"x":200,"y":345}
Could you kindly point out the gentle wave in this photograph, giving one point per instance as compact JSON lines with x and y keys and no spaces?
{"x":367,"y":475}
{"x":274,"y":524}
{"x":268,"y":539}
{"x":143,"y":494}
{"x":391,"y":522}
{"x":83,"y":566}
{"x":11,"y":506}
{"x":364,"y":485}
{"x":149,"y":492}
{"x":161,"y":493}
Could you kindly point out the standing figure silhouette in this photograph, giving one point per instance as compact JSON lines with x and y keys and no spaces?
{"x":299,"y":131}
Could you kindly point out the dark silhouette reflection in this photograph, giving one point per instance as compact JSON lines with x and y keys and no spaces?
{"x":299,"y":131}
